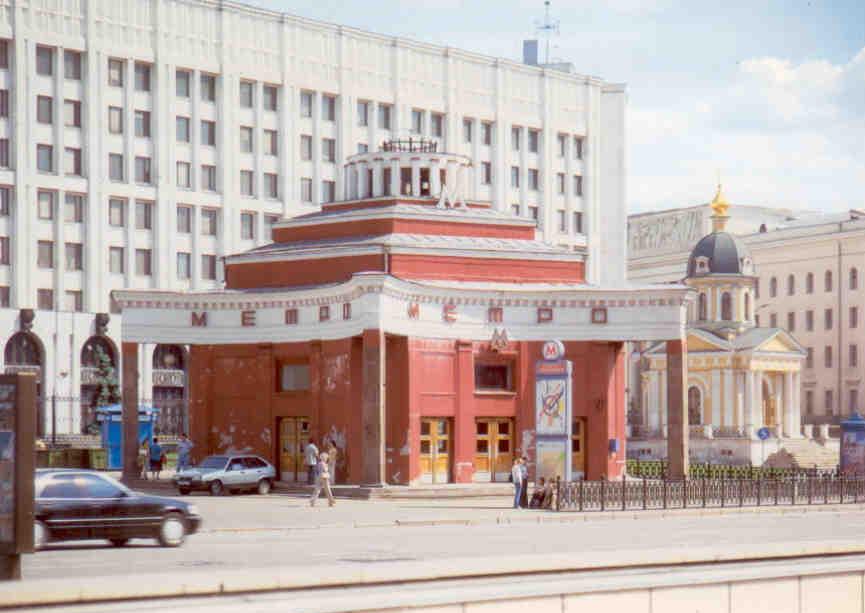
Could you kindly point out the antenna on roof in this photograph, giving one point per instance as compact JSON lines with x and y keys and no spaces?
{"x":547,"y":29}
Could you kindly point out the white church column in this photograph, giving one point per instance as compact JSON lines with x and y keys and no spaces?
{"x":435,"y":178}
{"x":729,"y":403}
{"x":662,"y":394}
{"x":780,"y":403}
{"x":757,"y":410}
{"x":654,"y":401}
{"x":716,"y":398}
{"x":395,"y":180}
{"x":750,"y":392}
{"x":797,"y":405}
{"x":789,"y":405}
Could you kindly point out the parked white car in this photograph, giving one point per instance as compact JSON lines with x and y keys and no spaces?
{"x":234,"y":473}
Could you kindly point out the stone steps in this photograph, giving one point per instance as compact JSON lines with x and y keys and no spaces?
{"x":804,"y":453}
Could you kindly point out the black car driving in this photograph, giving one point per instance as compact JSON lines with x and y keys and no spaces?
{"x":82,"y":504}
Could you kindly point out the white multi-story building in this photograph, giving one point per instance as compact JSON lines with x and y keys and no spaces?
{"x":142,"y":140}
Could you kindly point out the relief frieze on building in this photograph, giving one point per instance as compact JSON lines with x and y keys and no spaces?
{"x":677,"y":231}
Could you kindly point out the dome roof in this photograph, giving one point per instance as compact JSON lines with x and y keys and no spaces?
{"x":720,"y":253}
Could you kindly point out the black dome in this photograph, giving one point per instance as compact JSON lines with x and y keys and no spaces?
{"x":726,"y":255}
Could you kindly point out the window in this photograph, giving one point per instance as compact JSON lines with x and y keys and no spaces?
{"x":208,"y":177}
{"x":182,"y":81}
{"x":44,"y":61}
{"x":809,"y":320}
{"x":854,"y":279}
{"x":45,"y":205}
{"x":142,"y":170}
{"x":773,"y":287}
{"x":208,"y":133}
{"x":305,"y":147}
{"x":853,"y":361}
{"x":437,"y":125}
{"x":45,"y":158}
{"x":726,"y":306}
{"x":4,"y":153}
{"x":4,"y":296}
{"x":74,"y":256}
{"x":827,"y":281}
{"x":563,"y":221}
{"x":142,"y":77}
{"x":515,"y":177}
{"x":306,"y":189}
{"x":467,"y":130}
{"x":184,"y":265}
{"x":117,"y":212}
{"x":534,"y":179}
{"x":809,"y":402}
{"x":534,"y":139}
{"x":247,"y":226}
{"x":578,"y":147}
{"x":271,"y":185}
{"x":45,"y":257}
{"x":563,"y":144}
{"x":115,"y":72}
{"x":184,"y":175}
{"x":533,"y":212}
{"x":208,"y":87}
{"x":328,"y":191}
{"x":773,"y":320}
{"x":142,"y":262}
{"x":208,"y":222}
{"x":328,"y":108}
{"x":486,"y":173}
{"x":306,"y":104}
{"x":246,"y":94}
{"x":853,"y":400}
{"x":829,"y":401}
{"x":271,"y":142}
{"x":74,"y":210}
{"x":74,"y":301}
{"x":809,"y":358}
{"x":246,"y":179}
{"x":515,"y":138}
{"x":493,"y":377}
{"x":116,"y":260}
{"x":208,"y":267}
{"x":827,"y":356}
{"x":854,"y":317}
{"x":293,"y":377}
{"x":142,"y":124}
{"x":4,"y":103}
{"x":4,"y":54}
{"x":384,"y":113}
{"x":702,"y":307}
{"x":184,"y":219}
{"x":143,"y":215}
{"x":45,"y":299}
{"x":72,"y":65}
{"x":578,"y":229}
{"x":560,"y":182}
{"x":72,"y":113}
{"x":757,"y":289}
{"x":115,"y":120}
{"x":791,"y":285}
{"x":827,"y":319}
{"x":72,"y":161}
{"x":44,"y":109}
{"x":809,"y":283}
{"x":416,"y":121}
{"x":362,"y":113}
{"x":328,"y":150}
{"x":4,"y":250}
{"x":245,"y":139}
{"x":515,"y":210}
{"x":270,"y":95}
{"x":578,"y":185}
{"x":791,"y":322}
{"x":5,"y":200}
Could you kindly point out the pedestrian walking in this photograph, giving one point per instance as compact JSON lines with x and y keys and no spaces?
{"x":332,"y":453}
{"x":517,"y":478}
{"x":322,"y":481}
{"x":143,"y":459}
{"x":524,"y":487}
{"x":311,"y":458}
{"x":184,"y":447}
{"x":156,"y":456}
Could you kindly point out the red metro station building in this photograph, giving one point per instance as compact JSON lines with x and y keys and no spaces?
{"x":408,"y":326}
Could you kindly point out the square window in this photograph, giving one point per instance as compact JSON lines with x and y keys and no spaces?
{"x":115,"y":72}
{"x":271,"y":142}
{"x":117,"y":212}
{"x":44,"y":109}
{"x":45,"y":205}
{"x":142,"y":124}
{"x":492,"y":377}
{"x":563,"y":222}
{"x":72,"y":161}
{"x":328,"y":150}
{"x":44,"y":61}
{"x":116,"y":260}
{"x":246,"y":183}
{"x":563,"y":146}
{"x":143,"y":170}
{"x":578,"y":223}
{"x":142,"y":77}
{"x":270,"y":94}
{"x":534,"y":179}
{"x":208,"y":88}
{"x":328,"y":108}
{"x":578,"y":185}
{"x":4,"y":103}
{"x":294,"y":377}
{"x":384,"y":116}
{"x":208,"y":178}
{"x":143,"y":215}
{"x":4,"y":54}
{"x":184,"y":175}
{"x":245,"y":139}
{"x":416,"y":121}
{"x":328,"y":191}
{"x":516,"y":132}
{"x":487,"y":133}
{"x":306,"y":189}
{"x":72,"y":113}
{"x":74,"y":256}
{"x":72,"y":65}
{"x":578,"y":147}
{"x":184,"y":219}
{"x":515,"y":177}
{"x":184,"y":265}
{"x":437,"y":125}
{"x":115,"y":120}
{"x":560,"y":182}
{"x":306,"y":104}
{"x":208,"y":222}
{"x":208,"y":133}
{"x":246,"y":94}
{"x":271,"y":185}
{"x":305,"y":147}
{"x":4,"y":296}
{"x":247,"y":226}
{"x":4,"y":153}
{"x":74,"y":209}
{"x":74,"y":301}
{"x":467,"y":130}
{"x":208,"y":267}
{"x":45,"y":299}
{"x":486,"y":173}
{"x":182,"y":80}
{"x":363,"y":113}
{"x":143,"y":262}
{"x":515,"y":209}
{"x":4,"y":250}
{"x":45,"y":158}
{"x":45,"y":258}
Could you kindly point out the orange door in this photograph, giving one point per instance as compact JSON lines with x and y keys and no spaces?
{"x":494,"y":450}
{"x":293,"y":438}
{"x":435,"y":450}
{"x":578,"y":448}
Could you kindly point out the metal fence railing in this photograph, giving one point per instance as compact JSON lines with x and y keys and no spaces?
{"x":658,"y":469}
{"x":651,"y":494}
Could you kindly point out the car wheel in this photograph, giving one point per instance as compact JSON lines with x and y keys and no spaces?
{"x":264,"y":487}
{"x":41,"y":535}
{"x":216,"y":488}
{"x":184,"y":491}
{"x":119,"y":542}
{"x":172,"y":531}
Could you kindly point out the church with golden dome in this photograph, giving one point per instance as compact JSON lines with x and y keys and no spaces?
{"x":744,"y":380}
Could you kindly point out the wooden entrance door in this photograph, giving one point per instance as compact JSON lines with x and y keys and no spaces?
{"x":293,"y":437}
{"x":435,"y":450}
{"x":578,"y":448}
{"x":494,"y":449}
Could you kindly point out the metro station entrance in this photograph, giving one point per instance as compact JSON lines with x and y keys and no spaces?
{"x":435,"y":450}
{"x":494,"y":449}
{"x":293,"y":438}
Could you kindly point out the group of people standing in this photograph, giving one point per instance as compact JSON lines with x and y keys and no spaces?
{"x":542,"y":497}
{"x":152,"y":458}
{"x":321,"y":469}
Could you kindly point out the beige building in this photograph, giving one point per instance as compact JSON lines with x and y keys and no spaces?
{"x":808,"y":270}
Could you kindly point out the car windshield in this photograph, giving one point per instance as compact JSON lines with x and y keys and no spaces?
{"x":214,"y":461}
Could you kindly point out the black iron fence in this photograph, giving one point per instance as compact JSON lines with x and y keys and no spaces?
{"x":78,"y":415}
{"x":651,"y":494}
{"x":658,"y":469}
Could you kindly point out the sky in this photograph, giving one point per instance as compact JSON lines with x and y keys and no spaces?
{"x":767,"y":94}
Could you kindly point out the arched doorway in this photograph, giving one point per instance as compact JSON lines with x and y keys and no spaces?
{"x":768,"y":405}
{"x":695,"y":406}
{"x":169,"y":388}
{"x":99,"y":380}
{"x":24,"y":353}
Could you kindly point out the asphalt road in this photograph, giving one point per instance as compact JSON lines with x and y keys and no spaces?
{"x":282,"y":531}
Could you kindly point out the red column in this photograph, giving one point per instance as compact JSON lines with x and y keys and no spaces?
{"x":677,"y":416}
{"x":130,"y":412}
{"x":373,"y":409}
{"x":464,"y":420}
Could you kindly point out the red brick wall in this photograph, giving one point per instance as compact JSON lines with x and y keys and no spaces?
{"x":304,"y":272}
{"x":485,"y":269}
{"x":375,"y":227}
